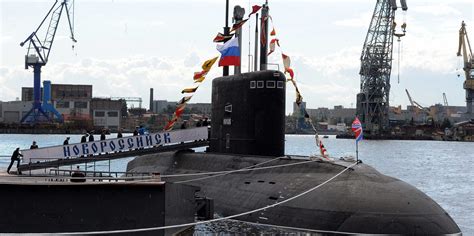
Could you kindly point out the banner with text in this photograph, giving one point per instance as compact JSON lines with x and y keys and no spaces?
{"x":114,"y":145}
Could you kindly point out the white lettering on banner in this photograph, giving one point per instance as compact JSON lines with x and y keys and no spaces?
{"x":114,"y":145}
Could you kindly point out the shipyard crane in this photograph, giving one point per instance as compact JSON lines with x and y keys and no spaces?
{"x":415,"y":104}
{"x":465,"y":51}
{"x":446,"y":105}
{"x":37,"y":56}
{"x":376,"y":66}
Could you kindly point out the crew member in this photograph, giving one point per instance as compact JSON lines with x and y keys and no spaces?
{"x":135,"y":132}
{"x":184,"y":125}
{"x":84,"y":138}
{"x":15,"y":157}
{"x":66,"y":142}
{"x":91,"y":136}
{"x":34,"y":146}
{"x":102,"y":135}
{"x":119,"y":133}
{"x":78,"y":175}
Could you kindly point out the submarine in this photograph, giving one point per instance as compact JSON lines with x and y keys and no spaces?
{"x":249,"y":139}
{"x":246,"y":173}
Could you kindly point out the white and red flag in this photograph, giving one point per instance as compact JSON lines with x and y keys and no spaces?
{"x":357,"y":129}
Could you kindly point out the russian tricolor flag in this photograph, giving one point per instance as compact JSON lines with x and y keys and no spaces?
{"x":230,"y":53}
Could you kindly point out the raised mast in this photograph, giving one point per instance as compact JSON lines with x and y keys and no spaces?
{"x":264,"y":37}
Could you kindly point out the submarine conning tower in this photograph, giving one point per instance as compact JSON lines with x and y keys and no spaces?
{"x":248,"y":114}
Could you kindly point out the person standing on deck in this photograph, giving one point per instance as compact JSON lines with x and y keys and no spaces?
{"x":34,"y":146}
{"x":135,"y":132}
{"x":141,"y":130}
{"x":84,"y":138}
{"x":15,"y":157}
{"x":91,"y":136}
{"x":102,"y":135}
{"x":66,"y":142}
{"x":205,"y":123}
{"x":119,"y":133}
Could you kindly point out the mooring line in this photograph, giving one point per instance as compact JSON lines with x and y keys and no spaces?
{"x":214,"y":220}
{"x":220,"y":173}
{"x":217,"y":175}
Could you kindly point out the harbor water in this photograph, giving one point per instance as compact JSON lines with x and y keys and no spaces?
{"x":442,"y":170}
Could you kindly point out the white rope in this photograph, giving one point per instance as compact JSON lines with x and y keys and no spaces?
{"x":241,"y":170}
{"x":214,"y":220}
{"x":218,"y":175}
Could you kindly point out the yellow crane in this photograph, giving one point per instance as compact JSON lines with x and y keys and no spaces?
{"x":418,"y":107}
{"x":465,"y":51}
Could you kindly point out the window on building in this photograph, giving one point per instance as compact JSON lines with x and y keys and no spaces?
{"x":270,"y":84}
{"x":260,"y":84}
{"x":80,"y":104}
{"x":280,"y":84}
{"x":112,"y":114}
{"x":252,"y":84}
{"x":62,"y":104}
{"x":99,"y":114}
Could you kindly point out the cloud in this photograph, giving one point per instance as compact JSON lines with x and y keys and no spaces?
{"x":126,"y":77}
{"x":436,"y":10}
{"x":361,"y":21}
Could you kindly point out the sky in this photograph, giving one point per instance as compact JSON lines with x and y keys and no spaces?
{"x":126,"y":47}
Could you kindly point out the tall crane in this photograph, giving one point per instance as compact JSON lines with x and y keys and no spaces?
{"x":465,"y":51}
{"x":376,"y":66}
{"x":37,"y":56}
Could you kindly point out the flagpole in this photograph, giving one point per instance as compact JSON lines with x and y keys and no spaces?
{"x":357,"y":151}
{"x":225,"y":69}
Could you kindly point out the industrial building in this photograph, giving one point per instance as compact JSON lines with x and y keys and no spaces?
{"x":73,"y":101}
{"x":106,"y":113}
{"x":161,"y":106}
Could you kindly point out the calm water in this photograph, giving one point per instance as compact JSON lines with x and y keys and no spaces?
{"x":443,"y":170}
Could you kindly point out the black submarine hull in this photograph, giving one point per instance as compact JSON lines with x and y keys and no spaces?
{"x":361,"y":200}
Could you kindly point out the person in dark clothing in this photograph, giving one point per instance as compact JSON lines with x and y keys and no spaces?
{"x":119,"y":133}
{"x":102,"y":135}
{"x":84,"y":138}
{"x":78,"y":175}
{"x":205,"y":122}
{"x":199,"y":123}
{"x":184,"y":125}
{"x":141,"y":130}
{"x":135,"y":132}
{"x":15,"y":157}
{"x":34,"y":146}
{"x":91,"y":136}
{"x":66,"y":142}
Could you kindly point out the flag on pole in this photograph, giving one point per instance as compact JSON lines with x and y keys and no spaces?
{"x":199,"y":75}
{"x":206,"y":66}
{"x":221,"y":37}
{"x":286,"y":61}
{"x":357,"y":129}
{"x":273,"y":44}
{"x":273,"y":33}
{"x":184,"y":100}
{"x":255,"y":8}
{"x":322,"y":149}
{"x":189,"y":90}
{"x":238,"y":25}
{"x":230,"y":53}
